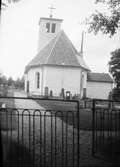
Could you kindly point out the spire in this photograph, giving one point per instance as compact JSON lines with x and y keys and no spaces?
{"x":51,"y":10}
{"x":82,"y":40}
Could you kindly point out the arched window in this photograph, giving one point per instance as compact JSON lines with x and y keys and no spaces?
{"x":48,"y":27}
{"x":53,"y":27}
{"x":38,"y":80}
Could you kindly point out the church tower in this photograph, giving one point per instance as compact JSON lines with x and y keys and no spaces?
{"x":48,"y":29}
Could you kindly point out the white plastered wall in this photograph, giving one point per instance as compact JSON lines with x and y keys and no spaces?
{"x":99,"y":90}
{"x":31,"y":77}
{"x":69,"y":78}
{"x":56,"y":78}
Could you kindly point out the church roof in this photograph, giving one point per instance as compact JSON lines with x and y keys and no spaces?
{"x":59,"y":51}
{"x":49,"y":18}
{"x":99,"y":77}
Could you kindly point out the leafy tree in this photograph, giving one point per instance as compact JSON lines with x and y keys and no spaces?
{"x":5,"y":3}
{"x":10,"y":81}
{"x":104,"y":22}
{"x":3,"y":86}
{"x":114,"y":65}
{"x":19,"y":83}
{"x":3,"y":80}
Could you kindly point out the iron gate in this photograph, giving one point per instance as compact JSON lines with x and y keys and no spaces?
{"x":39,"y":136}
{"x":106,"y":129}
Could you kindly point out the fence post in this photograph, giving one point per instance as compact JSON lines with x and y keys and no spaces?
{"x":78,"y":132}
{"x":1,"y":150}
{"x":93,"y":127}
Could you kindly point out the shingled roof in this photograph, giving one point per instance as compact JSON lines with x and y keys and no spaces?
{"x":99,"y":77}
{"x":60,"y":51}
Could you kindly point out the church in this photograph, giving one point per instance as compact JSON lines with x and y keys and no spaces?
{"x":59,"y":66}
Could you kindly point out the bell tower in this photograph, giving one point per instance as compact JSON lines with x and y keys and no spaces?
{"x":48,"y":29}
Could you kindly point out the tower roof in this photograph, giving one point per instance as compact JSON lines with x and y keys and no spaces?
{"x":60,"y":51}
{"x":50,"y":19}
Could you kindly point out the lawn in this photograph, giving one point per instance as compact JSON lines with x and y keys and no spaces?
{"x":105,"y":119}
{"x":8,"y":118}
{"x":85,"y":115}
{"x":41,"y":137}
{"x":16,"y":155}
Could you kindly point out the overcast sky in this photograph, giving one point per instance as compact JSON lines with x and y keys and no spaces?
{"x":19,"y":34}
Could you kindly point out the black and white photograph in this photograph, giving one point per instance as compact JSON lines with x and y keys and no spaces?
{"x":60,"y":83}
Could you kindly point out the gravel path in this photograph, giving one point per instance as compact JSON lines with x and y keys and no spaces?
{"x":50,"y":144}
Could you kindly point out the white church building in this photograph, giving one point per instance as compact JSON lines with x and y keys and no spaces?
{"x":58,"y":65}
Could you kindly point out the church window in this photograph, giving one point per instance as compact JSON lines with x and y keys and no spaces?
{"x":38,"y":80}
{"x":53,"y":27}
{"x":47,"y":27}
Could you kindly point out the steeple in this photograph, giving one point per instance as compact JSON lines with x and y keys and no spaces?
{"x":82,"y":40}
{"x":48,"y":29}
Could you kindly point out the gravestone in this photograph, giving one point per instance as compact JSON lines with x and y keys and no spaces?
{"x":62,"y":94}
{"x":51,"y":93}
{"x":46,"y":91}
{"x":68,"y":95}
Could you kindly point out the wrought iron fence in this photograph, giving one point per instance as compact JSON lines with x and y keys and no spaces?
{"x":106,"y":129}
{"x":40,"y":137}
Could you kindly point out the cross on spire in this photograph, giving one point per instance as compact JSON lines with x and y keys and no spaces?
{"x":51,"y":10}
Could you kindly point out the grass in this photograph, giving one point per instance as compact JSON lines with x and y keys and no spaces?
{"x":103,"y":119}
{"x":109,"y":148}
{"x":13,"y":153}
{"x":8,"y":117}
{"x":85,"y":115}
{"x":17,"y":154}
{"x":86,"y":124}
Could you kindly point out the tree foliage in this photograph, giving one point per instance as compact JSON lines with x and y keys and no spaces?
{"x":10,"y":81}
{"x":6,"y":3}
{"x":18,"y":83}
{"x":114,"y":65}
{"x":106,"y":23}
{"x":3,"y":80}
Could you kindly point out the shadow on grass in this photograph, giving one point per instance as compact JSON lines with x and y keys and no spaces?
{"x":68,"y":113}
{"x":18,"y":156}
{"x":109,"y":149}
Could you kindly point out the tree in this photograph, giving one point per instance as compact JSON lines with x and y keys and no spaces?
{"x":19,"y":83}
{"x":3,"y":80}
{"x":104,"y":22}
{"x":5,"y":3}
{"x":114,"y":65}
{"x":10,"y":81}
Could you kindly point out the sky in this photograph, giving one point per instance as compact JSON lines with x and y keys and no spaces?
{"x":19,"y":33}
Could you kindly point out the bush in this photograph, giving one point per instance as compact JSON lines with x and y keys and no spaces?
{"x":115,"y":94}
{"x":3,"y":91}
